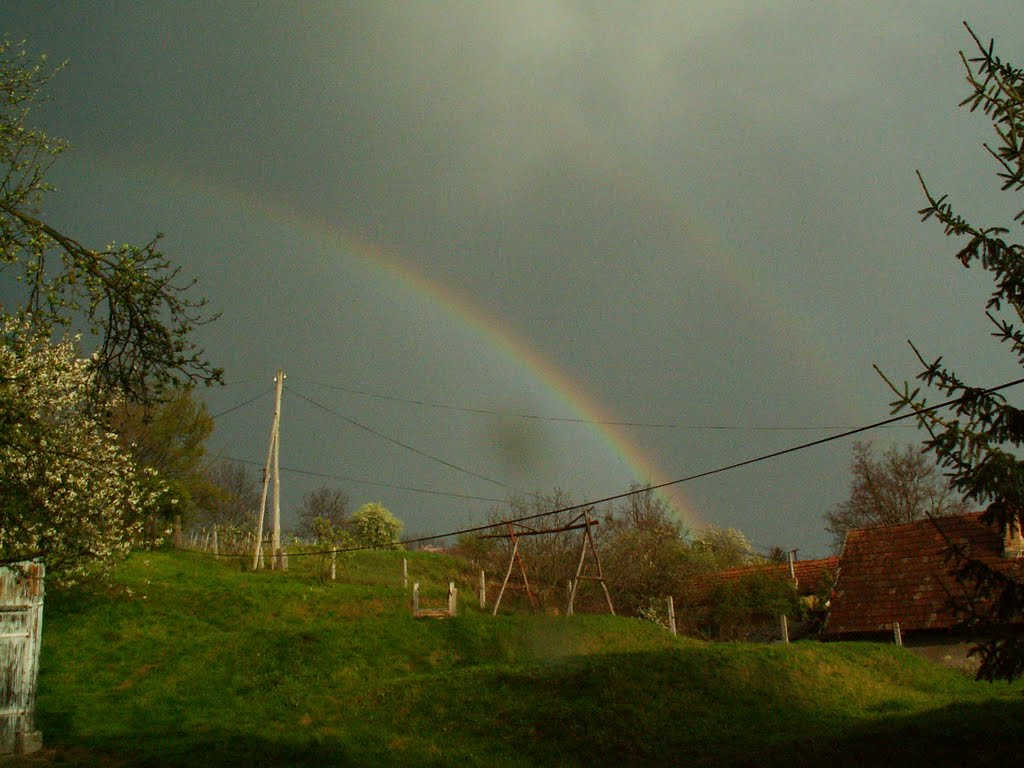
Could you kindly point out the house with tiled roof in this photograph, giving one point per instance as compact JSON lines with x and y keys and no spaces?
{"x":896,"y":581}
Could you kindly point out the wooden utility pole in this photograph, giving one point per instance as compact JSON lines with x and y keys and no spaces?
{"x":280,"y":559}
{"x":272,"y":461}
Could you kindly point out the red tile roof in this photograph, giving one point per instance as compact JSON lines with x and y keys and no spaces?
{"x":900,"y":573}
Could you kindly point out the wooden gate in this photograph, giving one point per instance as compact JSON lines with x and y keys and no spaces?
{"x":21,"y":621}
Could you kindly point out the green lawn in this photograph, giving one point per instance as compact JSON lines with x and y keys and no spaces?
{"x":186,"y":660}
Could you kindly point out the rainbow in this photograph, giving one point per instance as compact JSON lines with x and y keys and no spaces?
{"x":465,"y":312}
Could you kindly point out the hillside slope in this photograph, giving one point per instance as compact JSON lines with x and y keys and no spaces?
{"x":185,"y":660}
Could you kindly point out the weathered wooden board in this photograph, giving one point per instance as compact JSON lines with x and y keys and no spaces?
{"x":21,"y":621}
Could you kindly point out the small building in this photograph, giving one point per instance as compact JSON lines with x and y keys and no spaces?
{"x":902,"y":575}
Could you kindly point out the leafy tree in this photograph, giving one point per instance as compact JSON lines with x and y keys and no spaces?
{"x":69,"y":492}
{"x":375,"y":526}
{"x":643,"y":552}
{"x":902,"y":486}
{"x":749,"y":604}
{"x":169,"y":436}
{"x":979,"y":441}
{"x":131,"y":297}
{"x":323,"y":503}
{"x":715,"y":549}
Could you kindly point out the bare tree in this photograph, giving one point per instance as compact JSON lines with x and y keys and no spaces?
{"x":330,"y":504}
{"x":237,"y":496}
{"x":901,"y":486}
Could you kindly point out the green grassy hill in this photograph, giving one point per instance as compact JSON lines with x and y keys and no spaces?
{"x":185,"y":660}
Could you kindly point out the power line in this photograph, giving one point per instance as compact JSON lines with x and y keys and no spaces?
{"x":328,"y":476}
{"x":397,"y":442}
{"x":571,"y":420}
{"x":243,"y":404}
{"x":699,"y":475}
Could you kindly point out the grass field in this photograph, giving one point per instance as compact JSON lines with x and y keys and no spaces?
{"x":181,"y":659}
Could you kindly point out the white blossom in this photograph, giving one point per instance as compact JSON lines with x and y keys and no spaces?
{"x":69,"y":493}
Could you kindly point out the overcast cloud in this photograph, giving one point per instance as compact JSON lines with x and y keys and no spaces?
{"x":699,"y":213}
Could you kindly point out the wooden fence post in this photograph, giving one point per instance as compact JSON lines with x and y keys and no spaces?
{"x":568,"y":609}
{"x":216,"y":543}
{"x":784,"y":628}
{"x":896,"y":633}
{"x":415,"y":598}
{"x":452,"y":598}
{"x":405,"y":573}
{"x":483,"y":590}
{"x":671,"y":616}
{"x":334,"y":565}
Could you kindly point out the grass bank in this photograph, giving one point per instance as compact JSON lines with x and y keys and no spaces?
{"x":185,"y":660}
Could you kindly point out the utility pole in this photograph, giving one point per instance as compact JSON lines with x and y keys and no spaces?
{"x":279,"y":557}
{"x":276,"y":557}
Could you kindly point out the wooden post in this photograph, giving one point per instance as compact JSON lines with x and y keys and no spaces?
{"x":452,"y":598}
{"x":415,"y":598}
{"x":334,"y":565}
{"x":671,"y":616}
{"x":483,"y":590}
{"x":896,"y":633}
{"x":405,"y":573}
{"x":568,"y":608}
{"x":784,"y":628}
{"x":216,"y":544}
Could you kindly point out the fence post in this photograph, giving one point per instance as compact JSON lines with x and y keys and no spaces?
{"x":216,"y":543}
{"x":334,"y":565}
{"x":452,"y":598}
{"x":568,"y":610}
{"x":671,"y":616}
{"x":415,"y":598}
{"x":483,"y":590}
{"x":784,"y":628}
{"x":896,"y":633}
{"x":405,"y":573}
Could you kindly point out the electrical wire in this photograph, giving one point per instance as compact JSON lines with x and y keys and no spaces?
{"x":394,"y":441}
{"x":689,"y":478}
{"x":242,"y":405}
{"x":327,"y":476}
{"x":571,"y":420}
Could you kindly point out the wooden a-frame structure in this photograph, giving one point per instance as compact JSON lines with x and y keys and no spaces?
{"x":515,"y":531}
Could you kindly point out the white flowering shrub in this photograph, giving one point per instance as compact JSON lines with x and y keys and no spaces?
{"x":69,"y":493}
{"x":375,"y":526}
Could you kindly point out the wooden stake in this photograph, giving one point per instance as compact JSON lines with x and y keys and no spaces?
{"x":671,"y":616}
{"x":415,"y":598}
{"x":784,"y":628}
{"x":452,"y":598}
{"x":483,"y":590}
{"x":405,"y":573}
{"x":896,"y":633}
